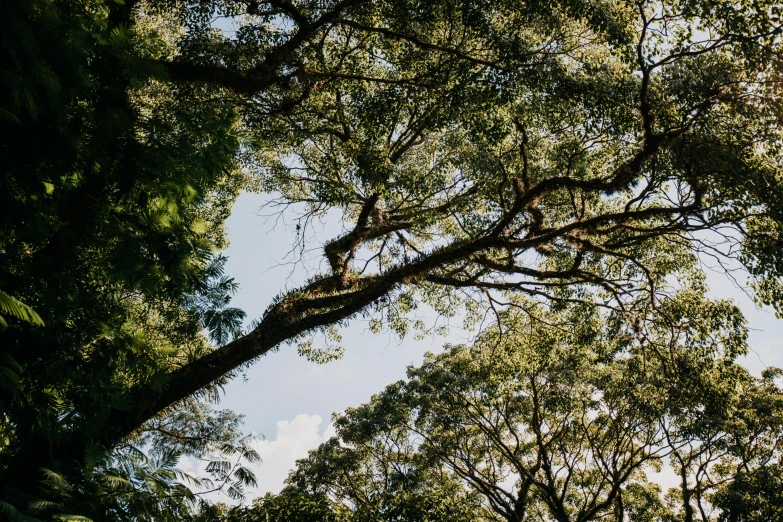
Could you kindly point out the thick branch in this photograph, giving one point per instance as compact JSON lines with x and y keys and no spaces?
{"x":267,"y":73}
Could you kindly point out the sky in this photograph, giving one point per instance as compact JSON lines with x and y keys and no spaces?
{"x":288,"y":401}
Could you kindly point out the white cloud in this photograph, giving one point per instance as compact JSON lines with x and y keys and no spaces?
{"x":293,"y":439}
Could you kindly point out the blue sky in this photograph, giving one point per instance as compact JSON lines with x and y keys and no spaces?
{"x":288,"y":401}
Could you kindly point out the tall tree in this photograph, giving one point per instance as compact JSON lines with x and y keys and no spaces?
{"x":571,"y":152}
{"x":564,"y":422}
{"x":567,"y":151}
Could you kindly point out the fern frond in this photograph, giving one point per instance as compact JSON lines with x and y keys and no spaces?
{"x":12,"y":306}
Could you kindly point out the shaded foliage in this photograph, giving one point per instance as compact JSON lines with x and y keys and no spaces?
{"x":109,"y":211}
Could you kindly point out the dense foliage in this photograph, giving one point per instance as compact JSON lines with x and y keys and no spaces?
{"x":565,"y":422}
{"x":113,"y":194}
{"x":483,"y":156}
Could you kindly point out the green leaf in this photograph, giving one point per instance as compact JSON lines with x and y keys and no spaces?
{"x":18,"y":309}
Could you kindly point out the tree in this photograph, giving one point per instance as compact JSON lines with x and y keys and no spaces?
{"x":566,"y":151}
{"x":581,"y":162}
{"x":290,"y":506}
{"x":565,"y":422}
{"x":109,"y":211}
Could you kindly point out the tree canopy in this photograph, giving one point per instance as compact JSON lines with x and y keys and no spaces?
{"x":565,"y":422}
{"x":482,"y":157}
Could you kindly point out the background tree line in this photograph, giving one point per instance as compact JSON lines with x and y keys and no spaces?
{"x":485,"y":157}
{"x":563,"y":422}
